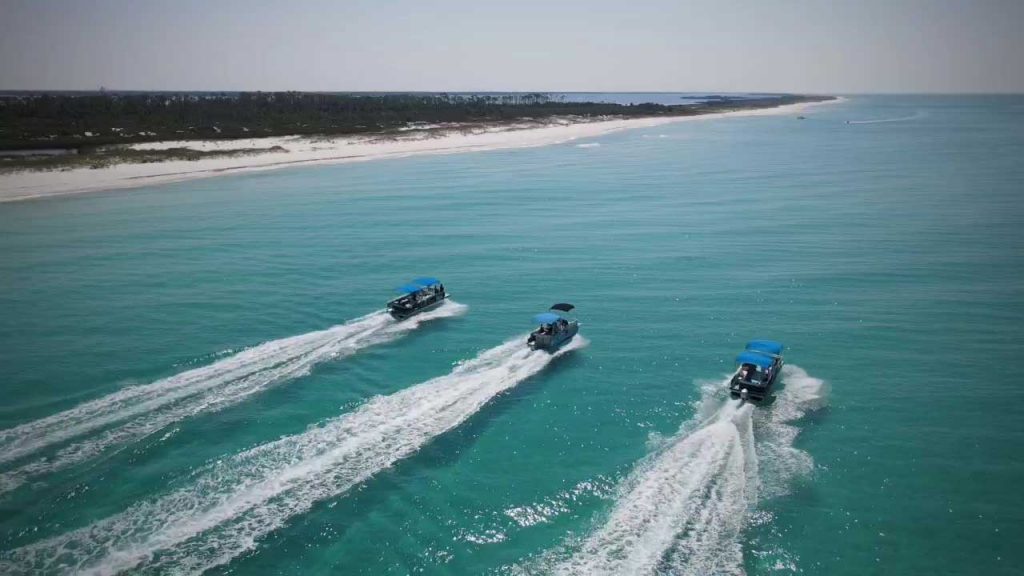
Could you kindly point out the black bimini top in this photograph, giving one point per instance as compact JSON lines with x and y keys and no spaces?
{"x":563,"y":307}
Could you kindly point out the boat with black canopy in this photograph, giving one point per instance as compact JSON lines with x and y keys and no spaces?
{"x":554,"y":328}
{"x":759,"y":367}
{"x":417,"y":296}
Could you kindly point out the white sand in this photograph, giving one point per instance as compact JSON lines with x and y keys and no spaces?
{"x":301,"y":150}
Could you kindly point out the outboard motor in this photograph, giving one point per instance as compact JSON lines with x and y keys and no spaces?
{"x":539,"y":341}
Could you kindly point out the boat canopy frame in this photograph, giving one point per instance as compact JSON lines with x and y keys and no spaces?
{"x":755,"y":358}
{"x":552,"y":315}
{"x":769,"y":347}
{"x":545,"y":318}
{"x":418,"y":285}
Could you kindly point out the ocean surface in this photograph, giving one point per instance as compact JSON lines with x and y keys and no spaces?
{"x":198,"y":377}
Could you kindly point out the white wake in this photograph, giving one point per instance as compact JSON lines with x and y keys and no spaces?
{"x":914,"y":116}
{"x":238,"y":500}
{"x":683,"y":509}
{"x":133,"y":413}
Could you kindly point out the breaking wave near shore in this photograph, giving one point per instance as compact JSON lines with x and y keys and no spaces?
{"x":233,"y":503}
{"x":684,"y":507}
{"x":131,"y":414}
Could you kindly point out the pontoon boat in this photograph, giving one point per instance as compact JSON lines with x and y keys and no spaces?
{"x":417,"y":296}
{"x":759,"y":368}
{"x":555,"y":329}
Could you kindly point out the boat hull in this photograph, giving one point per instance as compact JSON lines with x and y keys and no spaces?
{"x":754,"y":391}
{"x":552,"y":342}
{"x":427,"y":304}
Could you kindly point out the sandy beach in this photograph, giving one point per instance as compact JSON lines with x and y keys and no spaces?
{"x":304,"y":150}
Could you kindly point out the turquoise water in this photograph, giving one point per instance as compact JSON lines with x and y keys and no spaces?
{"x":195,"y":378}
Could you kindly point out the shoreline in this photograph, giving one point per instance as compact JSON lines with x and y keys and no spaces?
{"x":316,"y":151}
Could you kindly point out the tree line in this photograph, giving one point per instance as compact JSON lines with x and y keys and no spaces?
{"x":96,"y":119}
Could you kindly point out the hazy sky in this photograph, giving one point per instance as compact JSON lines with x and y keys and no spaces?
{"x":550,"y":45}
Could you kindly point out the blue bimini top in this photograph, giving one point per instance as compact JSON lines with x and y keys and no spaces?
{"x":755,"y":358}
{"x":546,"y":318}
{"x":417,"y":285}
{"x":768,"y":346}
{"x":409,"y":288}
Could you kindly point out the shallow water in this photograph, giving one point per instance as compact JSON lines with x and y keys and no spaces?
{"x":193,"y":340}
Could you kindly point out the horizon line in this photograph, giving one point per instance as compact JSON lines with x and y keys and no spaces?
{"x":103,"y":89}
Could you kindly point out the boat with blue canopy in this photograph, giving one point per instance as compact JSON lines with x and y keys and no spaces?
{"x":769,"y":347}
{"x":759,"y":366}
{"x":417,"y":296}
{"x":554,"y":328}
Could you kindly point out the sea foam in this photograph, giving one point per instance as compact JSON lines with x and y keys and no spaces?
{"x":238,"y":500}
{"x":136,"y":412}
{"x":683,"y":509}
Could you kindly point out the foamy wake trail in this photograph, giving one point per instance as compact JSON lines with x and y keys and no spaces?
{"x":138,"y":411}
{"x":683,"y":509}
{"x":914,"y":116}
{"x":238,"y":500}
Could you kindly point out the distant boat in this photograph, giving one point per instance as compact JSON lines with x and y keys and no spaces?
{"x":801,"y":117}
{"x":417,"y":296}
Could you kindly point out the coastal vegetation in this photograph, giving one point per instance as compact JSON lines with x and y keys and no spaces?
{"x":53,"y":130}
